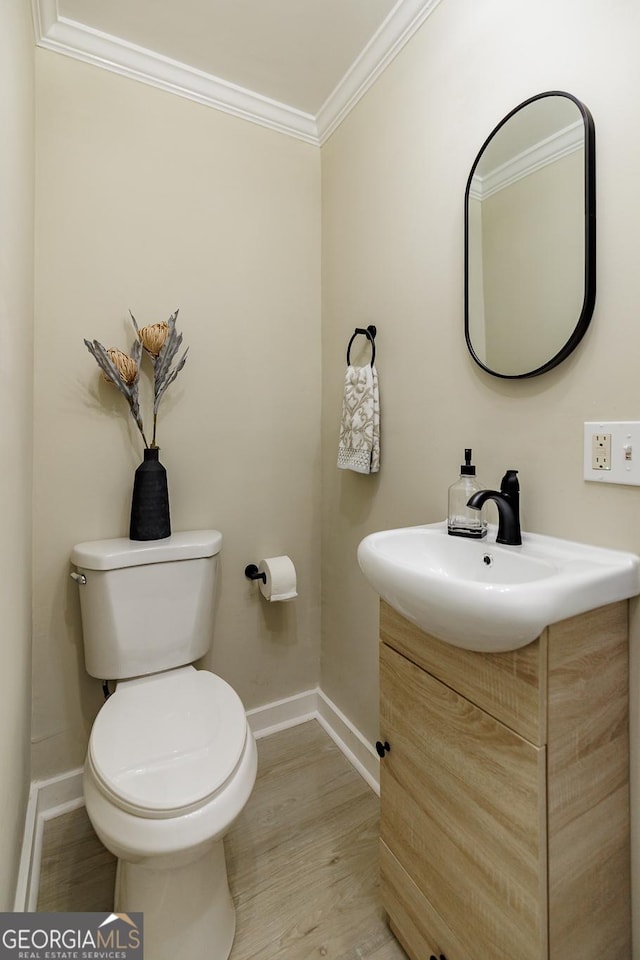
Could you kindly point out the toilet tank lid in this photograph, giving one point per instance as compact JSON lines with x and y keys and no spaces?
{"x":122,"y":552}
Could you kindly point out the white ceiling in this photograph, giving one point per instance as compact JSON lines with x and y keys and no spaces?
{"x":298,"y":66}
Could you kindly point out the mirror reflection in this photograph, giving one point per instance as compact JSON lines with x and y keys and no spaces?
{"x":530,"y":238}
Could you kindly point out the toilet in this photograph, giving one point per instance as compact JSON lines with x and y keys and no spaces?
{"x":171,"y":759}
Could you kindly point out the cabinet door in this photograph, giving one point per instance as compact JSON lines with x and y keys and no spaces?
{"x":463,"y":811}
{"x":511,"y":686}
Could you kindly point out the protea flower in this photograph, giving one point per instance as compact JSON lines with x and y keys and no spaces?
{"x":153,"y":336}
{"x":124,"y":364}
{"x":161,"y":341}
{"x":123,"y":371}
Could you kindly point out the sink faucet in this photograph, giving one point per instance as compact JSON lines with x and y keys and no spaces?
{"x":507,"y":500}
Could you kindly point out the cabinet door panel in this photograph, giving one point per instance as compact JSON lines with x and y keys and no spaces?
{"x":510,"y":686}
{"x":463,"y":801}
{"x":420,"y":930}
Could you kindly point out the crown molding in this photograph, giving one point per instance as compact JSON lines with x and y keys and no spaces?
{"x":73,"y":39}
{"x":76,"y":40}
{"x":402,"y":22}
{"x":541,"y":154}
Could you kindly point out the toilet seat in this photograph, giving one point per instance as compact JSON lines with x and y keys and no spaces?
{"x":162,"y":746}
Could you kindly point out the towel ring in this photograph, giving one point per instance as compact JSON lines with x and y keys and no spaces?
{"x":370,"y":334}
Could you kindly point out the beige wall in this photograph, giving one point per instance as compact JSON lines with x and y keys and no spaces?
{"x":16,"y":433}
{"x":394,"y":176}
{"x":151,"y":202}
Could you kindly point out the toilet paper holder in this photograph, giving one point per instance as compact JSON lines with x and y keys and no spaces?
{"x":252,"y":573}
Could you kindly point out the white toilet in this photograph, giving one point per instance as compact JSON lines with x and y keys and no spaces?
{"x":171,"y":759}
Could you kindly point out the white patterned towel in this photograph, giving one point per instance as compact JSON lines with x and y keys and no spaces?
{"x":359,"y":445}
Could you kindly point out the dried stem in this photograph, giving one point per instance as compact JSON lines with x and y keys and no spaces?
{"x":164,"y":373}
{"x":130,"y":392}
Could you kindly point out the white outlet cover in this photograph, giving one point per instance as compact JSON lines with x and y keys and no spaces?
{"x":625,"y":452}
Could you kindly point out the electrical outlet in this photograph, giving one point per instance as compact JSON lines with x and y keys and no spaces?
{"x":612,"y":452}
{"x":601,"y":451}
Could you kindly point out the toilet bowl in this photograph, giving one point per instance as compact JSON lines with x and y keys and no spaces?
{"x":171,"y":760}
{"x":170,"y":765}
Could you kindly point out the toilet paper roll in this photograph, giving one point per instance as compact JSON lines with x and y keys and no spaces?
{"x":281,"y":578}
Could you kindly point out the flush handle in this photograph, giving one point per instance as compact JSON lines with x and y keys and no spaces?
{"x":79,"y":578}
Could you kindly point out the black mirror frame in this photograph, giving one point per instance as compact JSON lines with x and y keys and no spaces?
{"x":589,"y":240}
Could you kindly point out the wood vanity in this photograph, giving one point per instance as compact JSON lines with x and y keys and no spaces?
{"x":505,"y":793}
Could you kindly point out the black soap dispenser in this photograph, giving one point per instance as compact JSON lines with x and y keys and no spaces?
{"x":463,"y":520}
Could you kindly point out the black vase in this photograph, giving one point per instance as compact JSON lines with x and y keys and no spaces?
{"x":150,"y":518}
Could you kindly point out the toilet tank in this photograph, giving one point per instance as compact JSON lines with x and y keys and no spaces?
{"x":146,"y":605}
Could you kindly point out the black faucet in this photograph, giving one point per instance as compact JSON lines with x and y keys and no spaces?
{"x":507,"y":500}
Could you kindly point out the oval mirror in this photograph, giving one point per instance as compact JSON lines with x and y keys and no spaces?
{"x":530,"y":238}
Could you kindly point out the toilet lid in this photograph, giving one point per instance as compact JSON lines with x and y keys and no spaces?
{"x":169,"y":741}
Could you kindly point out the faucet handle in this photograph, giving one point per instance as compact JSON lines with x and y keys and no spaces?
{"x":509,"y":483}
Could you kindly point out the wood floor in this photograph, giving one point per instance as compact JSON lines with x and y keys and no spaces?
{"x":302,"y":859}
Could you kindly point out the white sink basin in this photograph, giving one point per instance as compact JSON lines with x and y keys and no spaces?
{"x":481,"y":595}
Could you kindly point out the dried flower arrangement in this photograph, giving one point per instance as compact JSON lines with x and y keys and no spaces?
{"x":161,"y":342}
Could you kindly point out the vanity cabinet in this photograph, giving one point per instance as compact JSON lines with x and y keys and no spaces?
{"x":505,"y":793}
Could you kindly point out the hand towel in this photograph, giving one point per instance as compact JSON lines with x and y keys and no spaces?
{"x":359,"y":444}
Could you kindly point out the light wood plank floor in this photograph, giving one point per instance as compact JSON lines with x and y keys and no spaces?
{"x":302,"y":859}
{"x":76,"y":872}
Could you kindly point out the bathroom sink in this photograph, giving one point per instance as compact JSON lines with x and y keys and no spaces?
{"x":481,"y":595}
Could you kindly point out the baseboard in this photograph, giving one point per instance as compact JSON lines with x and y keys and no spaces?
{"x":316,"y":705}
{"x":281,"y":714}
{"x":348,"y":738}
{"x":47,"y":799}
{"x":59,"y":795}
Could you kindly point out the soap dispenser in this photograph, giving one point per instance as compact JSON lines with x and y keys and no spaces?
{"x":463,"y":520}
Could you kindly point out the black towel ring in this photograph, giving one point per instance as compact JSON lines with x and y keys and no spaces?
{"x":370,"y":334}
